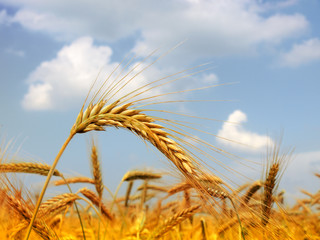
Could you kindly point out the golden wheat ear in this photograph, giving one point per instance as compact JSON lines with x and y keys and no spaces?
{"x":25,"y":167}
{"x":96,"y":170}
{"x":97,"y":202}
{"x":276,"y":163}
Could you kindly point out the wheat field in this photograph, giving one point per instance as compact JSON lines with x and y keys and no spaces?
{"x":200,"y":205}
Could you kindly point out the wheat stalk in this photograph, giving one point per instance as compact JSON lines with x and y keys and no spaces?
{"x":203,"y":229}
{"x":144,"y":193}
{"x":127,"y":197}
{"x":153,"y":187}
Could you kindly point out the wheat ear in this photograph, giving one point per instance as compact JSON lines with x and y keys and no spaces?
{"x":179,"y":188}
{"x":22,"y":210}
{"x":35,"y":168}
{"x":96,"y":201}
{"x":57,"y":204}
{"x":140,"y":175}
{"x":173,"y":221}
{"x":268,"y":192}
{"x":275,"y":165}
{"x":74,"y":180}
{"x":252,"y":190}
{"x":99,"y":116}
{"x":96,"y":170}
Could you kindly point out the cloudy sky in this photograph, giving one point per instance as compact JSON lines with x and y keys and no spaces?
{"x":265,"y":55}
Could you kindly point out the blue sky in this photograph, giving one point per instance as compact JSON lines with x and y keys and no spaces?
{"x":50,"y":52}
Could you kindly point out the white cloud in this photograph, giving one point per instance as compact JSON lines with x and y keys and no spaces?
{"x":248,"y":140}
{"x":60,"y":82}
{"x":39,"y":97}
{"x":303,"y":53}
{"x":219,"y":27}
{"x":64,"y":81}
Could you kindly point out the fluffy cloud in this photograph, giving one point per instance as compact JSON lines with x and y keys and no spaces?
{"x":303,"y":53}
{"x":233,"y":131}
{"x":61,"y":81}
{"x":217,"y":28}
{"x":212,"y":27}
{"x":64,"y":81}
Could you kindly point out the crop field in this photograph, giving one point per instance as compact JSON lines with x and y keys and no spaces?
{"x":200,"y":205}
